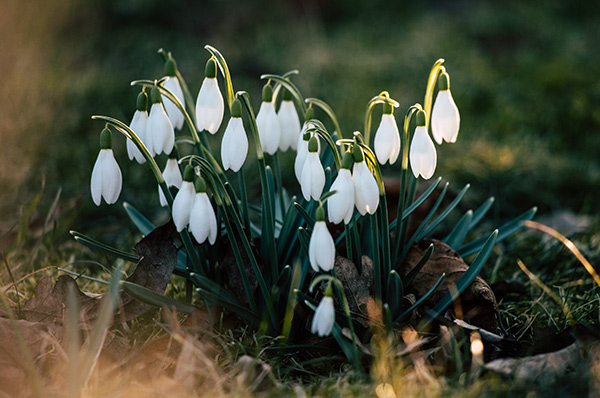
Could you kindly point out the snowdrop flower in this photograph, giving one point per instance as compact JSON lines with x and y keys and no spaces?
{"x":324,"y":317}
{"x":387,"y":137}
{"x":203,"y":222}
{"x":321,"y":248}
{"x":234,"y":147}
{"x":341,"y":204}
{"x":160,"y":136}
{"x":302,"y":145}
{"x":269,"y":130}
{"x":445,"y":119}
{"x":289,"y":122}
{"x":423,"y":156}
{"x":138,"y":125}
{"x":366,"y":191}
{"x":172,"y":84}
{"x":172,"y":176}
{"x":312,"y":179}
{"x":210,"y":105}
{"x":106,"y":176}
{"x":184,"y":200}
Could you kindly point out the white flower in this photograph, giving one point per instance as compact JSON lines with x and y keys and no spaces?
{"x":387,"y":140}
{"x":445,"y":119}
{"x":269,"y":130}
{"x":234,"y":147}
{"x":341,"y":204}
{"x":106,"y":179}
{"x":203,"y":222}
{"x":302,"y":151}
{"x":312,"y":179}
{"x":177,"y":118}
{"x":210,"y":105}
{"x":138,"y":125}
{"x":172,"y":176}
{"x":160,"y":136}
{"x":182,"y":205}
{"x":423,"y":157}
{"x":324,"y":318}
{"x":321,"y":248}
{"x":290,"y":125}
{"x":366,"y":192}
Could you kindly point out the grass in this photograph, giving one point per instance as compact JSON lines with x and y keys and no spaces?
{"x":523,"y":75}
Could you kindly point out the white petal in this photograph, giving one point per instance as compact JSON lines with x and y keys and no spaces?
{"x":160,"y":135}
{"x":182,"y":205}
{"x":290,"y":125}
{"x":112,"y":179}
{"x":172,"y":176}
{"x":423,"y":156}
{"x":313,"y":177}
{"x":324,"y":317}
{"x":340,"y":206}
{"x":234,"y":147}
{"x":269,"y":129}
{"x":300,"y":159}
{"x":209,"y":106}
{"x":387,"y":140}
{"x":138,"y":125}
{"x":203,"y":222}
{"x":175,"y":115}
{"x":321,"y":248}
{"x":366,"y":192}
{"x":445,"y":119}
{"x":96,"y":181}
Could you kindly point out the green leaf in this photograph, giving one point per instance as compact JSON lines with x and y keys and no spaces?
{"x":103,"y":248}
{"x":444,"y":214}
{"x":464,"y":280}
{"x":456,"y":237}
{"x":148,"y":296}
{"x":482,"y":211}
{"x":417,"y":268}
{"x":422,"y":299}
{"x":421,"y":198}
{"x":503,"y":232}
{"x":395,"y":292}
{"x":307,"y":217}
{"x":144,"y":225}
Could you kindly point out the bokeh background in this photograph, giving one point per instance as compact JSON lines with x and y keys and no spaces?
{"x":525,"y":76}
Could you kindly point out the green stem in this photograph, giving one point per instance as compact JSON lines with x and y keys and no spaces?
{"x":327,"y":109}
{"x":383,"y":97}
{"x":225,"y":71}
{"x":433,"y":75}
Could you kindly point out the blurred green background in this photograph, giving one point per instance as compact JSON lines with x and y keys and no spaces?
{"x":525,"y":76}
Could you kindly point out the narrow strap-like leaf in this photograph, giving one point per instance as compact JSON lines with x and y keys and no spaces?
{"x":144,"y":225}
{"x":103,"y":248}
{"x":456,"y":237}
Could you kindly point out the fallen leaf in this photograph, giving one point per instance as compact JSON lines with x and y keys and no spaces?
{"x":357,"y":286}
{"x":476,"y":305}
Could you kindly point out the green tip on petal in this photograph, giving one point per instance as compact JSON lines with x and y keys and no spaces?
{"x":329,"y":290}
{"x":174,"y":154}
{"x":236,"y":108}
{"x":200,"y":185}
{"x":170,"y":67}
{"x":320,"y":214}
{"x":155,"y":95}
{"x":357,"y":154}
{"x":444,"y":81}
{"x":347,"y":160}
{"x":142,"y":101}
{"x":421,"y":118}
{"x":287,"y":95}
{"x":313,"y":144}
{"x":210,"y":71}
{"x":267,"y":94}
{"x":387,"y":108}
{"x":105,"y":139}
{"x":188,"y":173}
{"x":306,"y":137}
{"x":309,"y":114}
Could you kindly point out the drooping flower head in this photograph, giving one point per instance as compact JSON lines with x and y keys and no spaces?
{"x":423,"y":157}
{"x":366,"y":191}
{"x":160,"y":136}
{"x":184,"y":200}
{"x":387,"y":137}
{"x":269,"y":130}
{"x":106,"y":179}
{"x":445,"y":119}
{"x":172,"y":176}
{"x":234,"y":147}
{"x":289,"y":122}
{"x":324,"y":317}
{"x":209,"y":105}
{"x":312,"y":179}
{"x":340,"y":206}
{"x":321,"y":247}
{"x":172,"y":84}
{"x":138,"y":125}
{"x":302,"y":145}
{"x":203,"y":222}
